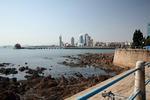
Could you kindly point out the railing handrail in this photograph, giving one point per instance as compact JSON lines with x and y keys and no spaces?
{"x":134,"y":95}
{"x":138,"y":91}
{"x":90,"y":94}
{"x":147,"y":81}
{"x":148,"y":63}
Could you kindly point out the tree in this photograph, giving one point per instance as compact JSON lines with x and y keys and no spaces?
{"x":138,"y":40}
{"x":17,"y":46}
{"x":147,"y":41}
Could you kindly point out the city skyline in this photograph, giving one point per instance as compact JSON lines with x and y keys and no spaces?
{"x":41,"y":22}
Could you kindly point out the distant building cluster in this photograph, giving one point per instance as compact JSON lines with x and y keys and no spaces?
{"x":85,"y":40}
{"x":62,"y":44}
{"x":113,"y":44}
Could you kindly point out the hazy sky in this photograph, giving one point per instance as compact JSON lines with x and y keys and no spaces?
{"x":38,"y":22}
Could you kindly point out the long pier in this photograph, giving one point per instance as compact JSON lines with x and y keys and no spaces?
{"x":41,"y":47}
{"x":51,"y":47}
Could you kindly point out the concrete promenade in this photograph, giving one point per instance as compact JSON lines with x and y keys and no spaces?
{"x":124,"y":88}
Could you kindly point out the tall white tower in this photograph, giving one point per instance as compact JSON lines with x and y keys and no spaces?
{"x":60,"y":41}
{"x":72,"y":41}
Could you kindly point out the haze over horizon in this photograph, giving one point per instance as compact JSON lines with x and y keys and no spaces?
{"x":41,"y":22}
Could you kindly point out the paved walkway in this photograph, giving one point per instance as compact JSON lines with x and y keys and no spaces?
{"x":125,"y":88}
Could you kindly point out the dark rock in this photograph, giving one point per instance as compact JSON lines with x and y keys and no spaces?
{"x":64,"y":62}
{"x":79,"y":75}
{"x":63,"y":80}
{"x":4,"y":64}
{"x":48,"y":84}
{"x":40,"y":69}
{"x":13,"y":80}
{"x":30,"y":71}
{"x":1,"y":65}
{"x":21,"y":69}
{"x":8,"y":71}
{"x":8,"y":95}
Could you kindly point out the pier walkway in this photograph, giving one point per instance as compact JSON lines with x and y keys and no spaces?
{"x":123,"y":88}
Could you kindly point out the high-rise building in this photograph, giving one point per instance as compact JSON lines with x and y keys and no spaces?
{"x":81,"y":40}
{"x":72,"y":41}
{"x":90,"y":43}
{"x":86,"y":39}
{"x":60,"y":41}
{"x":148,"y":29}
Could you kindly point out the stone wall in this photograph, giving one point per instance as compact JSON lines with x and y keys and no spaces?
{"x":129,"y":57}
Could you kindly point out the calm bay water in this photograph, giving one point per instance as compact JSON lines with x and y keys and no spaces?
{"x":49,"y":59}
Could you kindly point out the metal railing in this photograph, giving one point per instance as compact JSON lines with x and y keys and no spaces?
{"x":139,"y":83}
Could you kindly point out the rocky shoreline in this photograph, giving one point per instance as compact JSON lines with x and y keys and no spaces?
{"x":102,"y":61}
{"x":40,"y":87}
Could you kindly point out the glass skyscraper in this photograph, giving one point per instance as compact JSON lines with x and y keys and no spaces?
{"x":148,"y":29}
{"x":81,"y":39}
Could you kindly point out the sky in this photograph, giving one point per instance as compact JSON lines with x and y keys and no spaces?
{"x":41,"y":22}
